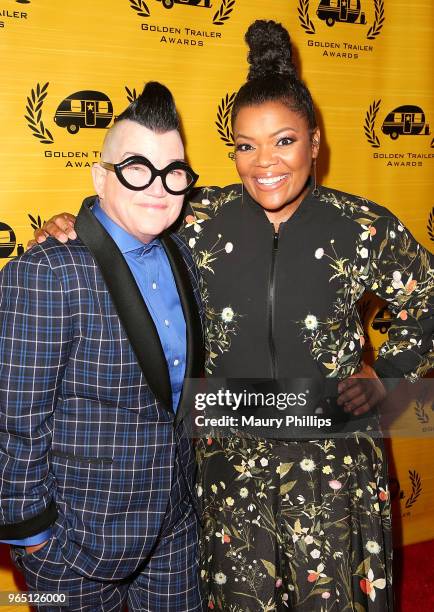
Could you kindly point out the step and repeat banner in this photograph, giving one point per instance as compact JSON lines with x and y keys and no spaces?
{"x":68,"y":68}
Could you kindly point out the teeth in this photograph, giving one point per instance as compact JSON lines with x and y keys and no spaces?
{"x":271,"y":181}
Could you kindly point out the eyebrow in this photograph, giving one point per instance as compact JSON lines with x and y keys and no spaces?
{"x":285,"y":129}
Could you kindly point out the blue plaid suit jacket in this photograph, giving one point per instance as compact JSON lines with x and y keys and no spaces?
{"x":85,"y":441}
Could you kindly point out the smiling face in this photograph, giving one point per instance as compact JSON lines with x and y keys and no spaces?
{"x":146,"y":213}
{"x":274,"y":152}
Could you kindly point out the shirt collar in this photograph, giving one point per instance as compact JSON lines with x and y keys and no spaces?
{"x":124,"y":241}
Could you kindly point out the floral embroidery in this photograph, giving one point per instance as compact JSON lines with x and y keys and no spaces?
{"x":220,"y":326}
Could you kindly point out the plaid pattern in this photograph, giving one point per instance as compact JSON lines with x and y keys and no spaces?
{"x":169,"y":582}
{"x":78,"y":423}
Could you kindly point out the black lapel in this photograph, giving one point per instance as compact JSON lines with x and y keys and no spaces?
{"x":130,"y":306}
{"x":195,"y":353}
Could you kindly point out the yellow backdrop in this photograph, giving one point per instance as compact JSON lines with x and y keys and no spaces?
{"x":68,"y":68}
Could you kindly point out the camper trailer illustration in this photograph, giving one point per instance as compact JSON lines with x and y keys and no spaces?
{"x":382,"y":320}
{"x":405,"y":120}
{"x":347,"y":11}
{"x":8,"y":241}
{"x":169,"y":3}
{"x":84,"y":109}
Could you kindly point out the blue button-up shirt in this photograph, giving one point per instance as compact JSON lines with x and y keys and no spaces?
{"x":153,"y":275}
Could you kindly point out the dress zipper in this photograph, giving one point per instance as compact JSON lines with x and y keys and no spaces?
{"x":271,"y":306}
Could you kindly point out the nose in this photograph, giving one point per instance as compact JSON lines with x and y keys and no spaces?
{"x":265,"y":157}
{"x":156,"y":188}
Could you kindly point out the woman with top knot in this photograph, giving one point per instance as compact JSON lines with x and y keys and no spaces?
{"x":295,"y":523}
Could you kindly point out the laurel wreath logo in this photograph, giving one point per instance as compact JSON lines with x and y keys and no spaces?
{"x":223,"y":14}
{"x":131,"y":94}
{"x":140,"y":7}
{"x":34,"y":114}
{"x":421,"y":415}
{"x":303,"y":16}
{"x":369,"y":126}
{"x":222,"y":123}
{"x":376,"y":27}
{"x":416,"y":488}
{"x":430,"y":225}
{"x":35,"y":223}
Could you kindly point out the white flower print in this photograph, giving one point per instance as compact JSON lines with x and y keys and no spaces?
{"x":373,"y":547}
{"x":227,"y":314}
{"x":319,"y":253}
{"x":244,"y":492}
{"x":307,"y":465}
{"x":311,"y":322}
{"x":220,"y":578}
{"x":229,"y":247}
{"x":364,"y":253}
{"x":368,"y":585}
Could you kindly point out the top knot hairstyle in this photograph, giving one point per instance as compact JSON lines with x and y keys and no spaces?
{"x":154,"y":109}
{"x":272,"y":76}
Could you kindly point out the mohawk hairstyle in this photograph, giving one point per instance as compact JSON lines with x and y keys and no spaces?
{"x":154,"y":109}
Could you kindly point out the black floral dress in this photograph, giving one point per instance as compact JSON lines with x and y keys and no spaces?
{"x":302,"y":525}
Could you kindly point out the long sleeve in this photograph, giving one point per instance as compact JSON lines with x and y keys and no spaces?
{"x":401,"y":272}
{"x":35,"y":335}
{"x":31,"y":540}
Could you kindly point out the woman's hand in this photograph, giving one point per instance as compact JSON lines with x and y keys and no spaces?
{"x":361,"y":391}
{"x":60,"y":227}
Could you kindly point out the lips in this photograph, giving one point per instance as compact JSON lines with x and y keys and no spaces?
{"x":152,"y":205}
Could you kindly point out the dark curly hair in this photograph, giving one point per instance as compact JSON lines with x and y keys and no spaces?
{"x":272,"y":76}
{"x":154,"y":109}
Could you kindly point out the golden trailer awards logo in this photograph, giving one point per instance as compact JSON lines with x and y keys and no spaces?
{"x":223,"y":121}
{"x":404,"y":123}
{"x":80,"y":110}
{"x":382,"y":320}
{"x":398,"y":494}
{"x":8,"y":242}
{"x":423,"y":406}
{"x":6,"y":15}
{"x":184,"y":35}
{"x":337,"y":15}
{"x":430,"y":225}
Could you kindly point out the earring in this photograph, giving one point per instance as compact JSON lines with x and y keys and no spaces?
{"x":315,"y":190}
